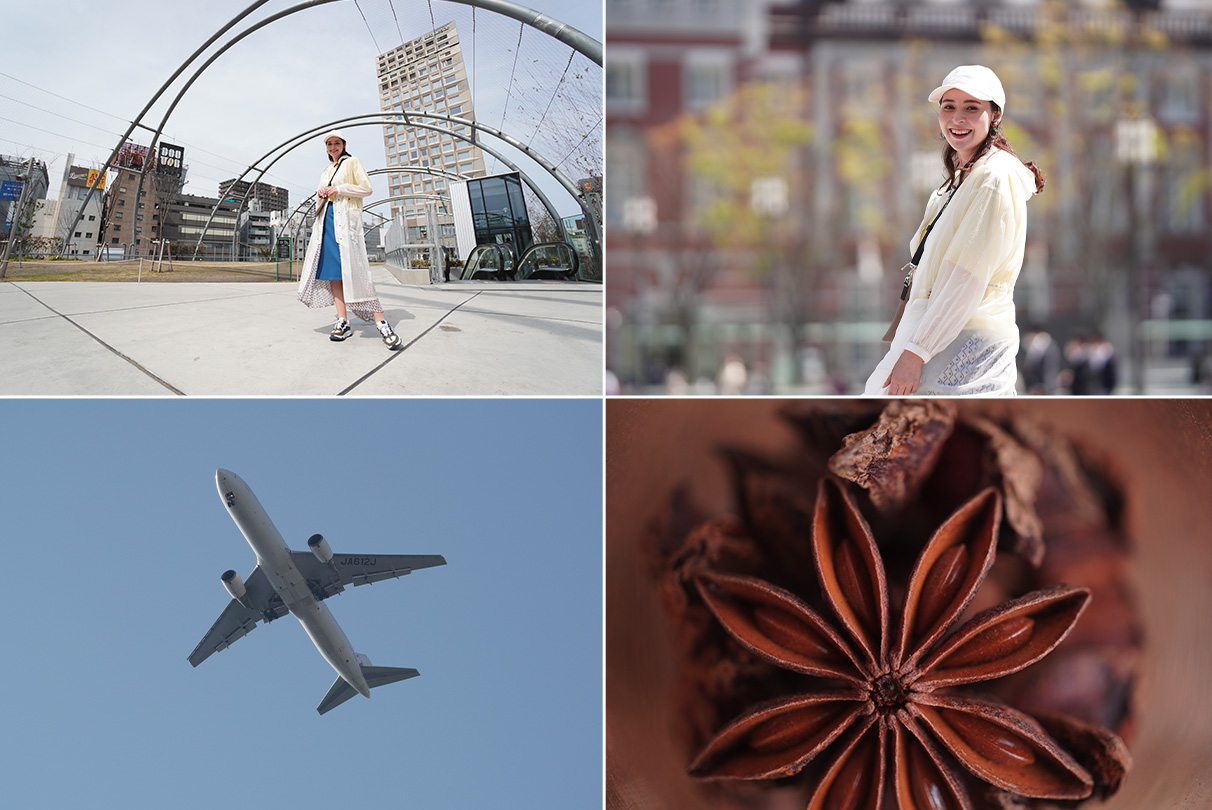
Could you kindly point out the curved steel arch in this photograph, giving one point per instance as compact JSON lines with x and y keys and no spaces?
{"x":377,"y":119}
{"x":416,"y":170}
{"x":567,"y":34}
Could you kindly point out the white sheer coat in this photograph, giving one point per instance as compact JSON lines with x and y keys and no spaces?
{"x":960,"y":314}
{"x":353,"y":184}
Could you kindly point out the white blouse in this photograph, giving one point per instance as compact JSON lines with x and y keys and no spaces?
{"x":965,"y":281}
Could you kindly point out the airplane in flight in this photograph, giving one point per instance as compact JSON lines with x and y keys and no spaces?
{"x":298,"y":582}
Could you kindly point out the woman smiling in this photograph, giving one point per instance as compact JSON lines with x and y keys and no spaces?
{"x":958,"y":334}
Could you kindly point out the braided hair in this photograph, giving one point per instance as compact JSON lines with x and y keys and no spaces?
{"x":998,"y":140}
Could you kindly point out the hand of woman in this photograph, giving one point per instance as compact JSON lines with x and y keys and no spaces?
{"x":328,"y":191}
{"x":905,"y":376}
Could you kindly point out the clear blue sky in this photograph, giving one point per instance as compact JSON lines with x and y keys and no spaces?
{"x":116,"y":539}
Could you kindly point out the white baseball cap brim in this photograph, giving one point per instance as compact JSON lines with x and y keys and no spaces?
{"x":977,"y":80}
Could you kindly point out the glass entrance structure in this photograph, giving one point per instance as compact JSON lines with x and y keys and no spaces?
{"x":498,"y":211}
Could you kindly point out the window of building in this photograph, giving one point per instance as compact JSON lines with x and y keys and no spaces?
{"x":626,"y":81}
{"x":115,"y":241}
{"x":118,"y":215}
{"x":709,"y":77}
{"x":92,"y":218}
{"x":454,"y":110}
{"x":121,"y":202}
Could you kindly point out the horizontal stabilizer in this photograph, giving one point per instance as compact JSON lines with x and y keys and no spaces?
{"x":341,"y":691}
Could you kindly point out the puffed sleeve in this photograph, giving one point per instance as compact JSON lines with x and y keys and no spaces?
{"x":982,"y":239}
{"x":359,"y":185}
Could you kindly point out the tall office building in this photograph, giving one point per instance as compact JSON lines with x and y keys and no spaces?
{"x":272,"y":198}
{"x":426,"y":75}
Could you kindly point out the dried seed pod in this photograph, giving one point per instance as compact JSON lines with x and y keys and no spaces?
{"x":777,"y":626}
{"x":948,"y":573}
{"x":1006,"y":638}
{"x":778,"y":738}
{"x":850,"y":569}
{"x":921,"y":780}
{"x":855,"y":780}
{"x":1004,"y":747}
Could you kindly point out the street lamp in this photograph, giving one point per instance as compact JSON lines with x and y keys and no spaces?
{"x":1136,"y":149}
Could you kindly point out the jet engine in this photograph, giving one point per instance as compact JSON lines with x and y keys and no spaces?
{"x":234,"y":584}
{"x":319,"y":547}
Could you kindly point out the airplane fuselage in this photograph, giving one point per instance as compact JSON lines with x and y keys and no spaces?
{"x":273,"y":556}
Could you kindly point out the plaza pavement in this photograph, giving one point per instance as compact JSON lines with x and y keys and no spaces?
{"x":255,"y":339}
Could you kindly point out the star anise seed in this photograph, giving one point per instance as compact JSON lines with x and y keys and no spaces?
{"x":894,"y":693}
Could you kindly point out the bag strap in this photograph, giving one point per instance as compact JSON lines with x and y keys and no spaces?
{"x":337,"y":168}
{"x":921,"y":247}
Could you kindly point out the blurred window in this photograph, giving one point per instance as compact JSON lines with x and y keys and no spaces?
{"x":626,"y":85}
{"x":708,"y":78}
{"x":628,"y":163}
{"x":1180,"y":95}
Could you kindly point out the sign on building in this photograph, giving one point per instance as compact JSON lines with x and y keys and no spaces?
{"x":86,"y":178}
{"x":131,"y":156}
{"x":171,"y":159}
{"x":10,"y":190}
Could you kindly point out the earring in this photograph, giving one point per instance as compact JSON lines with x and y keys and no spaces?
{"x":993,"y":131}
{"x":942,"y":137}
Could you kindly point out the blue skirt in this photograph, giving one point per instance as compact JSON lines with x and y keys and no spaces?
{"x":330,"y":254}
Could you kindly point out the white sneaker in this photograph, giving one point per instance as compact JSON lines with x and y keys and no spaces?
{"x":390,"y":338}
{"x":340,"y":330}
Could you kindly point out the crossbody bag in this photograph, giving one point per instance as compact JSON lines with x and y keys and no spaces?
{"x":908,"y":271}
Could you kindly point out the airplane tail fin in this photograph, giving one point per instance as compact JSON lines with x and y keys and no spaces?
{"x":341,"y":691}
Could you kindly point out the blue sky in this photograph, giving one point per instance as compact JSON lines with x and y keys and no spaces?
{"x":116,"y":540}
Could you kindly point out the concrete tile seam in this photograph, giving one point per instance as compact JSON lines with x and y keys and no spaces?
{"x":400,"y":351}
{"x":107,"y":346}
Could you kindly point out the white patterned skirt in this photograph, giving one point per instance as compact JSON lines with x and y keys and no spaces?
{"x":974,"y":364}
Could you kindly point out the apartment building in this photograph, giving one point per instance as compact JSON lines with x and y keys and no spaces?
{"x":426,"y":75}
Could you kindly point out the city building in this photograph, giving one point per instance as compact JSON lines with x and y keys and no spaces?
{"x":270,"y":197}
{"x":186,"y":218}
{"x":426,"y":74}
{"x":56,"y":216}
{"x":130,"y":225}
{"x":11,"y":168}
{"x":256,"y":234}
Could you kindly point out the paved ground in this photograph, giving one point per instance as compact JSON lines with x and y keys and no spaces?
{"x":254,"y":339}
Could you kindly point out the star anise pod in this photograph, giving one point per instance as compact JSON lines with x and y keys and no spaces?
{"x":888,"y":705}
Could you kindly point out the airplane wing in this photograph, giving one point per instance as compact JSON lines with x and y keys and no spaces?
{"x":260,"y":603}
{"x":331,"y":578}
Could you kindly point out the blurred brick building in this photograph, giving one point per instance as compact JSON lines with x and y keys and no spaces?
{"x":1114,"y":102}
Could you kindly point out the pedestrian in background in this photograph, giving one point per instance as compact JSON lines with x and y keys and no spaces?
{"x":336,"y":269}
{"x":958,"y":334}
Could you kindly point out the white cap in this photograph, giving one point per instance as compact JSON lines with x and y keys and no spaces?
{"x":977,"y":80}
{"x":336,"y":133}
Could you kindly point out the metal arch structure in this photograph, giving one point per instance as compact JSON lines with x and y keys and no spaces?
{"x":575,"y":39}
{"x":380,"y":119}
{"x":419,"y":170}
{"x":366,"y":208}
{"x":302,"y":139}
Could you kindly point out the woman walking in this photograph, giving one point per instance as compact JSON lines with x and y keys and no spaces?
{"x":958,"y":334}
{"x":336,"y":268}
